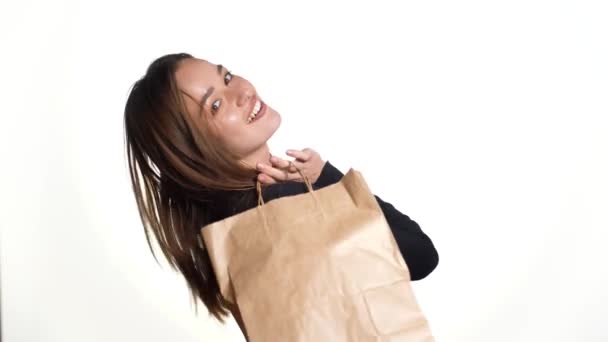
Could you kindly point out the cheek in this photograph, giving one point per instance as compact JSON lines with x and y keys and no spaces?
{"x":231,"y":130}
{"x":232,"y":119}
{"x":231,"y":125}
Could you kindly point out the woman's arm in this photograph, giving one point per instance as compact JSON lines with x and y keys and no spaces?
{"x":416,"y":247}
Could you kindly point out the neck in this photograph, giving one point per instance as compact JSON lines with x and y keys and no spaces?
{"x":261,"y":155}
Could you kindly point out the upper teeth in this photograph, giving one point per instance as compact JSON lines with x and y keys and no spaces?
{"x":256,"y":110}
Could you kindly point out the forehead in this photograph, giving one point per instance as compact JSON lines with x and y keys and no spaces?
{"x":195,"y":75}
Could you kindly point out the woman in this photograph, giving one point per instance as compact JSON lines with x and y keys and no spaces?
{"x":196,"y":138}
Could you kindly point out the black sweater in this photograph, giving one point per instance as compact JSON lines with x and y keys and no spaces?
{"x":416,"y":247}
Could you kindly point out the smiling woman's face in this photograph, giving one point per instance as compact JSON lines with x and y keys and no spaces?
{"x":227,"y":104}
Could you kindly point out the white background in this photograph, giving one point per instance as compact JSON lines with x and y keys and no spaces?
{"x":483,"y":121}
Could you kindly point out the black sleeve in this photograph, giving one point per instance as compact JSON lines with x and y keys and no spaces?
{"x":329,"y":175}
{"x":416,"y":247}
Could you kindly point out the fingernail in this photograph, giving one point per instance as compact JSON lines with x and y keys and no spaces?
{"x":289,"y":152}
{"x":260,"y":166}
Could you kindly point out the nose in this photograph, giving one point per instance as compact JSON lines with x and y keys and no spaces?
{"x":244,"y":97}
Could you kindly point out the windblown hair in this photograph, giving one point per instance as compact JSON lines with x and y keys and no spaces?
{"x":174,"y":166}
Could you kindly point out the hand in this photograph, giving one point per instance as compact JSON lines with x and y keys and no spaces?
{"x":308,"y":161}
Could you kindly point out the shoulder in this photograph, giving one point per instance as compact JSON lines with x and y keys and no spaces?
{"x":329,"y":175}
{"x":228,"y":203}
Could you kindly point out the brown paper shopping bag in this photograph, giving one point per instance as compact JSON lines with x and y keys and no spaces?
{"x":315,"y":267}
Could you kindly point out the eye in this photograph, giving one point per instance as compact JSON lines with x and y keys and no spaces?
{"x":227,"y":78}
{"x":215,"y":105}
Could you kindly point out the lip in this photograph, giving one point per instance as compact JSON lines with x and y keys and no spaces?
{"x":261,"y":112}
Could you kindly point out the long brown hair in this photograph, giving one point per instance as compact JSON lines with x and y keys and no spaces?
{"x":175,"y":165}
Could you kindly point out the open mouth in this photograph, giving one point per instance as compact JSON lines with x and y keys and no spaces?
{"x":259,"y":109}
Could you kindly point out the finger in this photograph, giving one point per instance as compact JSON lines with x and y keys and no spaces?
{"x":295,"y":165}
{"x":286,"y":165}
{"x":301,"y":155}
{"x":293,"y":168}
{"x":279,"y":163}
{"x":278,"y":174}
{"x":312,"y":153}
{"x":266,"y":179}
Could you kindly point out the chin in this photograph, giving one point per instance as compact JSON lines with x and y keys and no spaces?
{"x":279,"y":120}
{"x":275,"y":122}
